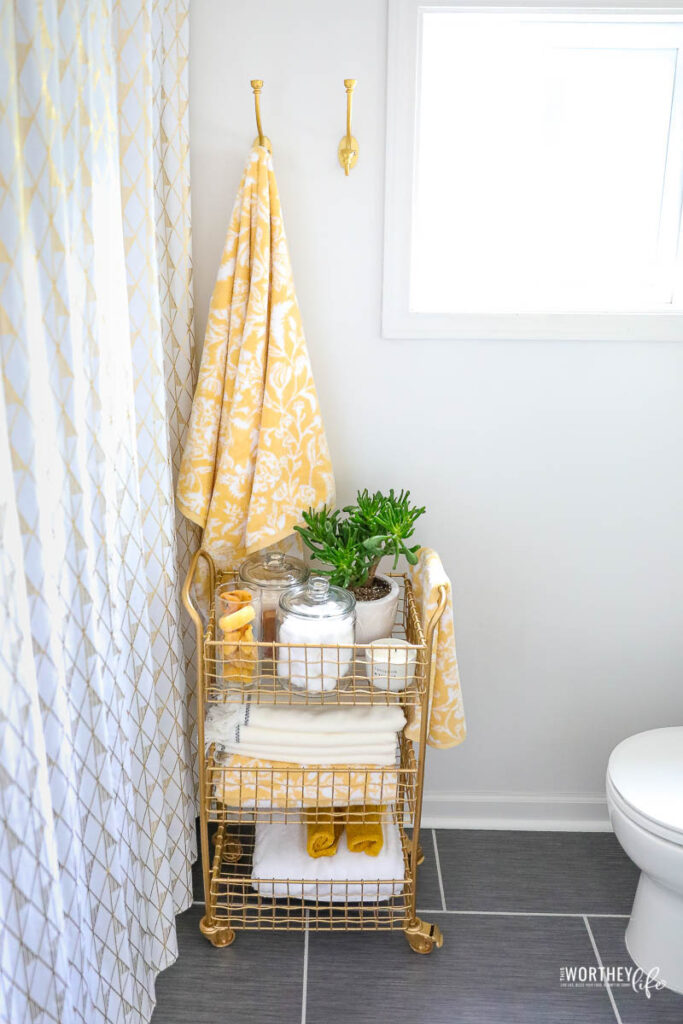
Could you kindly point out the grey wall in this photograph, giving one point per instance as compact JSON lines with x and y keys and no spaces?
{"x":552,"y":471}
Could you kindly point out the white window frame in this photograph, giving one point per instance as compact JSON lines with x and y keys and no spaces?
{"x":403,"y":75}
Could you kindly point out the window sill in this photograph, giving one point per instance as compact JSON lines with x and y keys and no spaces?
{"x":653,"y":326}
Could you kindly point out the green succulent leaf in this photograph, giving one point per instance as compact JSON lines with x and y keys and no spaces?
{"x":351,"y":548}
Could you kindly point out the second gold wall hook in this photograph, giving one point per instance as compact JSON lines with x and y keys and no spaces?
{"x":348,"y":147}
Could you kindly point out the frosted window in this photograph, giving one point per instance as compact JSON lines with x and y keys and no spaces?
{"x":547,"y":166}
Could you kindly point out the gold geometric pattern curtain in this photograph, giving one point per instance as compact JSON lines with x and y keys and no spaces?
{"x":96,"y":762}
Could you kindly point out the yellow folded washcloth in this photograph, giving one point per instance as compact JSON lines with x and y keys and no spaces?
{"x":365,"y":836}
{"x":323,"y":833}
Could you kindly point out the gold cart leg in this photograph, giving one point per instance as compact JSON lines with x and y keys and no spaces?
{"x":422,"y":936}
{"x":218,"y":935}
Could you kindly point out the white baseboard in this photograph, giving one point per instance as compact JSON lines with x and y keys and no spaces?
{"x":524,"y":811}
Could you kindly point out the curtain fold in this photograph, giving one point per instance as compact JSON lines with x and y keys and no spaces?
{"x":96,"y":761}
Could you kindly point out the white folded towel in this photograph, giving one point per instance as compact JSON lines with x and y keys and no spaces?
{"x":309,"y":718}
{"x":282,"y":867}
{"x":246,"y":735}
{"x":306,"y":736}
{"x":380,"y":757}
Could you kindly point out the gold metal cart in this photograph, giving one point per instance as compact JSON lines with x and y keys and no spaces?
{"x":235,"y":796}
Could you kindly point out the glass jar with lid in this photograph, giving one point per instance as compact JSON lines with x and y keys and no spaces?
{"x":270,"y":574}
{"x":322,"y":617}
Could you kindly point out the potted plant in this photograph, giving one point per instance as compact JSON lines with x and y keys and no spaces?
{"x":352,"y":542}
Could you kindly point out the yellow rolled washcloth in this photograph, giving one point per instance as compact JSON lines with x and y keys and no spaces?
{"x":238,"y":660}
{"x":323,"y":833}
{"x":236,"y":620}
{"x":365,"y":836}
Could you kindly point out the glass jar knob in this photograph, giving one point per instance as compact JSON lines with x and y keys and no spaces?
{"x":275,"y":560}
{"x":320,"y":588}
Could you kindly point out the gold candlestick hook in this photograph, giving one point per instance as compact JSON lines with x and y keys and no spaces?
{"x":261,"y":139}
{"x":348,"y":147}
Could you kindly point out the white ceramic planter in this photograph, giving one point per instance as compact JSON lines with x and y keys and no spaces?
{"x":375,"y":619}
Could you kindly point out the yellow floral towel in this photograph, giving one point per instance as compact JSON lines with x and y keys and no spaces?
{"x":323,"y":833}
{"x":256,"y":453}
{"x":248,"y":782}
{"x":447,"y":716}
{"x":365,"y":836}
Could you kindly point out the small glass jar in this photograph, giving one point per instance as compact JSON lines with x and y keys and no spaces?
{"x":236,"y":626}
{"x":316,"y":614}
{"x":271,"y":574}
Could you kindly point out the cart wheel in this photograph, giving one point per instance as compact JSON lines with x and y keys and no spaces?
{"x":218,"y":935}
{"x":420,"y":854}
{"x":423,"y":937}
{"x":223,"y":937}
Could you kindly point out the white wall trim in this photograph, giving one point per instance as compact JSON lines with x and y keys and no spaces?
{"x":525,"y":811}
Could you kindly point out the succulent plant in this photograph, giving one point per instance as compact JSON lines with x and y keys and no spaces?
{"x":352,"y":542}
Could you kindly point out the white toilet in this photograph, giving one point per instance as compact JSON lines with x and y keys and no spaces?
{"x":645,"y":801}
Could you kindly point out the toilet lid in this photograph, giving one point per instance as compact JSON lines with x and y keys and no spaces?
{"x":647,"y":772}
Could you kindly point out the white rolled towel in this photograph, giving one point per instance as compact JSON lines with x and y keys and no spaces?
{"x":282,"y":868}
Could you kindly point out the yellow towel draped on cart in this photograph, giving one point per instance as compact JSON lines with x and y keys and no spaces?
{"x":256,"y":453}
{"x":446,"y":714}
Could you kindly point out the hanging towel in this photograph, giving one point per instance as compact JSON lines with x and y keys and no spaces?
{"x":446,"y":714}
{"x":256,"y":455}
{"x":323,"y":833}
{"x":250,"y":782}
{"x":282,"y":867}
{"x":365,"y":836}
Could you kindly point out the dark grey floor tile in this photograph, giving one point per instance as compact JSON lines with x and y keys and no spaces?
{"x":663,"y":1007}
{"x":428,"y":891}
{"x":560,"y":872}
{"x":259,"y":979}
{"x":491,"y":970}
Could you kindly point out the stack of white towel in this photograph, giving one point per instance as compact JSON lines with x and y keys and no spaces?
{"x":307,"y":735}
{"x":282,"y":867}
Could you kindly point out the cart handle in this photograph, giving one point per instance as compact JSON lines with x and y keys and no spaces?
{"x":186,"y":592}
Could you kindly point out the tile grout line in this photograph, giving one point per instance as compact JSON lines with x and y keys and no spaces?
{"x":499,"y":913}
{"x":304,"y":992}
{"x":438,"y":870}
{"x":520,"y":913}
{"x":605,"y":982}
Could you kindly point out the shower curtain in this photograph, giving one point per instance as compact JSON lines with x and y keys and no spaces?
{"x":97,"y":799}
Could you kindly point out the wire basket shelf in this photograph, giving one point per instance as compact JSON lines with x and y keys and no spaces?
{"x":243,"y":901}
{"x":243,"y":793}
{"x":261,"y":672}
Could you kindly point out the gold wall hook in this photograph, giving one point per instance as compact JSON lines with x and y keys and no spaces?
{"x":261,"y":139}
{"x":348,"y":147}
